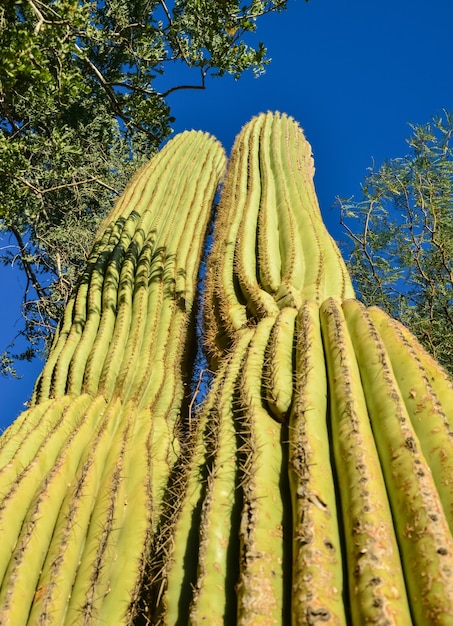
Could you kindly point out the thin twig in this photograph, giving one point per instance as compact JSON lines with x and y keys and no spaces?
{"x":31,"y":276}
{"x":195,"y":394}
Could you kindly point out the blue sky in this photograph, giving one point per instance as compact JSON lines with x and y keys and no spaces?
{"x":354,"y":74}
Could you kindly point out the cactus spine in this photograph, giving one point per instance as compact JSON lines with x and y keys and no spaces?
{"x":314,"y":482}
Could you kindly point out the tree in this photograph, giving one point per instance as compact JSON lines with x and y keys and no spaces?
{"x":80,"y":109}
{"x":401,"y":236}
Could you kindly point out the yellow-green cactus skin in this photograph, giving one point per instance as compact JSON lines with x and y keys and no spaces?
{"x":314,"y":482}
{"x":85,"y":470}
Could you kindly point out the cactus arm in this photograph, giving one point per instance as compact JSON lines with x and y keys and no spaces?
{"x":271,"y":248}
{"x":132,"y":277}
{"x":317,"y":576}
{"x":424,"y":539}
{"x":377,"y":591}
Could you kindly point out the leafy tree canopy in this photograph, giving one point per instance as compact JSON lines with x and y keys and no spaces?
{"x":80,"y":110}
{"x":401,"y":236}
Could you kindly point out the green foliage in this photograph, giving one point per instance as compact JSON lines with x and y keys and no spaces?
{"x":401,"y":237}
{"x":80,"y":110}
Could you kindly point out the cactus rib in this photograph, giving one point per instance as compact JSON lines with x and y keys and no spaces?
{"x":261,"y":598}
{"x":317,"y":576}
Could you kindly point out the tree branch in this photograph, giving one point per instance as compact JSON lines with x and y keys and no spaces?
{"x":170,"y":22}
{"x":30,"y":273}
{"x":111,"y":94}
{"x":172,"y":89}
{"x":39,"y":193}
{"x":362,"y":242}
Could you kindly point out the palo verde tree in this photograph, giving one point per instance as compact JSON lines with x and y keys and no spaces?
{"x":313,"y":484}
{"x":401,"y":236}
{"x":81,"y":106}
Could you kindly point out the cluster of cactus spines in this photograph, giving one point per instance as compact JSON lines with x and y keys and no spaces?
{"x":314,"y":482}
{"x":84,"y":470}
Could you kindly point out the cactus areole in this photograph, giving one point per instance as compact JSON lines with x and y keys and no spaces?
{"x":312,"y":484}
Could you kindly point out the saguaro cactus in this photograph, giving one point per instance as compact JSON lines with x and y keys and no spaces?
{"x":83,"y":472}
{"x":319,"y":489}
{"x":314,"y":483}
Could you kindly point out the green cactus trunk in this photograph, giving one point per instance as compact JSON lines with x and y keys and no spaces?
{"x":84,"y":471}
{"x":332,"y":491}
{"x":314,"y":482}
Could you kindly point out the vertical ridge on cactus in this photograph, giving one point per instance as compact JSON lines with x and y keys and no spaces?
{"x":428,"y":415}
{"x":317,"y":566}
